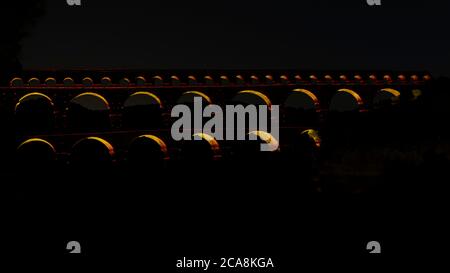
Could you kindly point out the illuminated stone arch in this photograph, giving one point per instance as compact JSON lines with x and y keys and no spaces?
{"x":50,"y":81}
{"x":251,"y":150}
{"x":35,"y":112}
{"x":205,"y":149}
{"x":92,"y":152}
{"x":346,"y":100}
{"x":187,"y":98}
{"x":89,"y":111}
{"x":142,"y":110}
{"x":16,"y":82}
{"x":252,"y":97}
{"x":301,"y":107}
{"x":147,"y":150}
{"x":35,"y":152}
{"x":386,"y":97}
{"x":302,"y":99}
{"x":266,"y":138}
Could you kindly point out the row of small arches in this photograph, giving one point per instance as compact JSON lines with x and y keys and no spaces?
{"x":299,"y":98}
{"x":145,"y":149}
{"x":224,"y":80}
{"x":143,"y":109}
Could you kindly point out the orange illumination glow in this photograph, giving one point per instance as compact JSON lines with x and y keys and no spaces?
{"x":159,"y":141}
{"x":200,"y":94}
{"x":309,"y":94}
{"x":93,"y":95}
{"x":33,"y":81}
{"x":68,"y":80}
{"x":354,"y":94}
{"x":125,"y":81}
{"x":427,"y":77}
{"x":158,"y":78}
{"x":88,"y":80}
{"x":224,"y":79}
{"x":105,"y":143}
{"x":414,"y":77}
{"x":153,"y":96}
{"x":21,"y":100}
{"x":50,"y":80}
{"x":16,"y":81}
{"x":284,"y":78}
{"x":106,"y":80}
{"x":314,"y":135}
{"x":258,"y":94}
{"x":211,"y":140}
{"x":267,"y":138}
{"x":394,"y":92}
{"x":38,"y":140}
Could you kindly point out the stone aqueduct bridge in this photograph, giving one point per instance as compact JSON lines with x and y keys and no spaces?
{"x":57,"y":112}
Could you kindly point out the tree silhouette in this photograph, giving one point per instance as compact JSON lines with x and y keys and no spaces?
{"x":16,"y":19}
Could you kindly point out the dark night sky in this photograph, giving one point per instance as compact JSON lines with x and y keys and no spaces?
{"x":242,"y":34}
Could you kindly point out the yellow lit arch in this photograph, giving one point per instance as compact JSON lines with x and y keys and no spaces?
{"x":314,"y":135}
{"x":200,"y":94}
{"x":211,"y":140}
{"x":35,"y":94}
{"x":268,"y":138}
{"x":309,"y":94}
{"x":260,"y":95}
{"x":394,"y":92}
{"x":355,"y":95}
{"x":105,"y":143}
{"x":148,"y":94}
{"x":156,"y":139}
{"x":37,"y":140}
{"x":91,"y":94}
